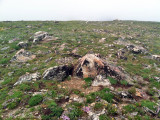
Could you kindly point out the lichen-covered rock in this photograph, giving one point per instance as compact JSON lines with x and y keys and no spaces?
{"x":39,"y":36}
{"x":23,"y":56}
{"x":136,"y":49}
{"x":156,"y":57}
{"x":121,"y":54}
{"x":58,"y":73}
{"x":88,"y":66}
{"x":22,"y":44}
{"x":100,"y":81}
{"x":92,"y":65}
{"x":28,"y":78}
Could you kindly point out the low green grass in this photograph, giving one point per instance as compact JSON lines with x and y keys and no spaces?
{"x":35,"y":100}
{"x":112,"y":80}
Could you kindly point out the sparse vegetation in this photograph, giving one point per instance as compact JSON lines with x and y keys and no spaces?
{"x":80,"y":38}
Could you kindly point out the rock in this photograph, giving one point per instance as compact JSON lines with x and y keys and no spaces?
{"x":141,"y":94}
{"x":13,"y":40}
{"x":101,"y":81}
{"x":74,"y":51}
{"x":157,"y":79}
{"x":42,"y":92}
{"x":48,"y":60}
{"x":10,"y":74}
{"x":5,"y":48}
{"x":28,"y":78}
{"x":65,"y":60}
{"x":76,"y":98}
{"x":62,"y":47}
{"x":136,"y":49}
{"x":156,"y":57}
{"x":102,"y":40}
{"x":23,"y":56}
{"x":88,"y":66}
{"x":58,"y":73}
{"x":22,"y":44}
{"x":121,"y":54}
{"x":39,"y":36}
{"x":92,"y":65}
{"x":134,"y":113}
{"x":124,"y":94}
{"x":49,"y":38}
{"x":95,"y":115}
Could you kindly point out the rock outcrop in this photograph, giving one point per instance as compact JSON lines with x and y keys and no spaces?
{"x":28,"y":78}
{"x":92,"y":65}
{"x":136,"y":49}
{"x":58,"y":73}
{"x":39,"y":36}
{"x":23,"y":56}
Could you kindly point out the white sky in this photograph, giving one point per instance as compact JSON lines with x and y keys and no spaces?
{"x":144,"y":10}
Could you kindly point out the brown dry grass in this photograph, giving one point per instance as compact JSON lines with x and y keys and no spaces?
{"x":77,"y":83}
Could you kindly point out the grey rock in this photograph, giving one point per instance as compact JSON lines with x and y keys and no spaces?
{"x":10,"y":73}
{"x":136,"y":49}
{"x":58,"y":73}
{"x":39,"y":36}
{"x":48,"y":60}
{"x":28,"y":78}
{"x":22,"y":44}
{"x":100,"y":81}
{"x":121,"y":54}
{"x":156,"y":57}
{"x":23,"y":56}
{"x":5,"y":48}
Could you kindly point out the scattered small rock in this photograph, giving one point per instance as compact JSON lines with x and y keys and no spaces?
{"x":100,"y":81}
{"x":102,"y":40}
{"x":23,"y":56}
{"x":22,"y":44}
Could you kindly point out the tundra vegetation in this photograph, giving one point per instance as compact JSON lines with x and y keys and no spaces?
{"x":56,"y":70}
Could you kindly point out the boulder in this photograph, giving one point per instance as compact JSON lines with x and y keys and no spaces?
{"x":89,"y":66}
{"x":100,"y":81}
{"x":23,"y":56}
{"x":22,"y":44}
{"x":58,"y":73}
{"x":28,"y":78}
{"x":39,"y":36}
{"x":92,"y":65}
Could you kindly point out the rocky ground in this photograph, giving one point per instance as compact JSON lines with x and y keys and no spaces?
{"x":78,"y":70}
